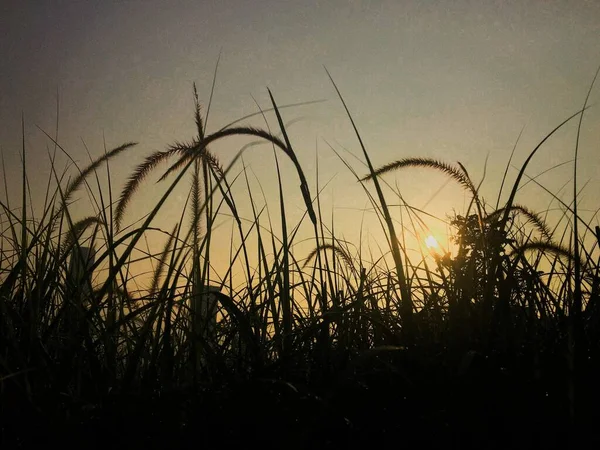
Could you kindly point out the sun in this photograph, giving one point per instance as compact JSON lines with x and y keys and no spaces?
{"x":431,"y":243}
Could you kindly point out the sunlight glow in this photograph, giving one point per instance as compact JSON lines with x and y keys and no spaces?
{"x":431,"y":243}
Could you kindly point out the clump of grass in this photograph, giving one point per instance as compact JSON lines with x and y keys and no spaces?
{"x":325,"y":346}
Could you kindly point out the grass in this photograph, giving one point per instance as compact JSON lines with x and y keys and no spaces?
{"x":490,"y":346}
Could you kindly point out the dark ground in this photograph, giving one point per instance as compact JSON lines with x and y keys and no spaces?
{"x":386,"y":402}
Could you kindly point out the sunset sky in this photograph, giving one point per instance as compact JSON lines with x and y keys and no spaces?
{"x":455,"y":80}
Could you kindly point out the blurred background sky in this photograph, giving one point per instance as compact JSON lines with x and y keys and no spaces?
{"x":455,"y":80}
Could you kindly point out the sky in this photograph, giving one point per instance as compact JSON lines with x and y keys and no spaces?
{"x":453,"y":80}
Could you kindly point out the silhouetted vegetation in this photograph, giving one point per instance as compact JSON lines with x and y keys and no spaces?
{"x":494,"y":345}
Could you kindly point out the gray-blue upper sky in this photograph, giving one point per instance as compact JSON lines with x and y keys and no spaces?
{"x":455,"y":80}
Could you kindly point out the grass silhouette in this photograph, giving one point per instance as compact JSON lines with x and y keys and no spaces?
{"x":493,"y":346}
